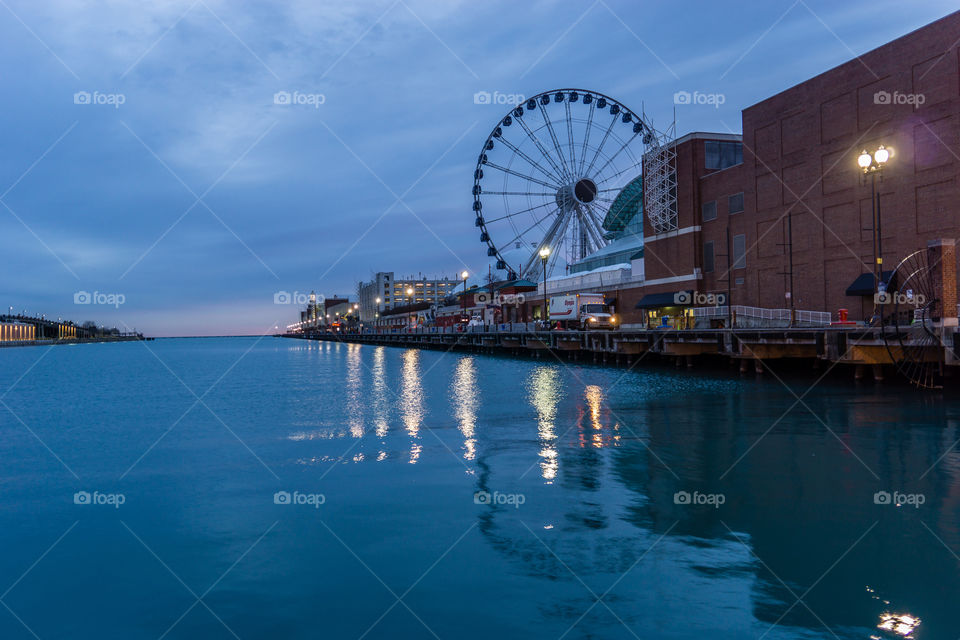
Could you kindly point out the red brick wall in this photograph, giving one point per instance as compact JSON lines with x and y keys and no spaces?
{"x":800,"y":149}
{"x":800,"y":152}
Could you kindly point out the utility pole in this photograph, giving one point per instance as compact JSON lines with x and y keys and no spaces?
{"x":789,"y":273}
{"x":729,"y":282}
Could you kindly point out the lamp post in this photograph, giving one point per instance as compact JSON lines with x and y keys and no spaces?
{"x":376,"y":311}
{"x":463,"y":302}
{"x":409,"y":302}
{"x":872,"y":165}
{"x":544,"y":256}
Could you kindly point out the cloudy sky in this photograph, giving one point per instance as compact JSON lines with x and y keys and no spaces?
{"x":143,"y":155}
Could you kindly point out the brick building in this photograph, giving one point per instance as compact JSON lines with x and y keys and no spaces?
{"x":790,"y":187}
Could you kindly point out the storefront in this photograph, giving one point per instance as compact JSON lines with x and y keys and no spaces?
{"x":511,"y":297}
{"x":667,"y":310}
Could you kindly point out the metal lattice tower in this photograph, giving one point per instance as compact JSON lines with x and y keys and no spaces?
{"x":660,"y":181}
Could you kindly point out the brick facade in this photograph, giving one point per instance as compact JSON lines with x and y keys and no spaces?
{"x":800,"y":172}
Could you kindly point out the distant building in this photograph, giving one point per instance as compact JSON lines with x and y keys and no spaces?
{"x":335,"y":307}
{"x":17,"y":332}
{"x":385,"y":292}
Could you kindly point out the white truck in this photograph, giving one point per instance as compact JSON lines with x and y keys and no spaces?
{"x":582,"y":311}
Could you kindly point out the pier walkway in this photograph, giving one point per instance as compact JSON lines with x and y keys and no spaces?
{"x":861,"y":348}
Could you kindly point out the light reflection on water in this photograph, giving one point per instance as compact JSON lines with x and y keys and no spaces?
{"x":411,"y":401}
{"x":596,"y":435}
{"x":465,"y":395}
{"x":544,"y":391}
{"x":381,"y":406}
{"x":355,"y":400}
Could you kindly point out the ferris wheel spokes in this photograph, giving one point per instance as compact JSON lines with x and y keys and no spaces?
{"x":517,"y":213}
{"x":558,"y":180}
{"x":551,"y":239}
{"x":513,"y":172}
{"x":603,"y":141}
{"x":561,"y":174}
{"x":556,"y":142}
{"x":573,"y":151}
{"x":613,"y":157}
{"x":588,"y":224}
{"x":555,"y":179}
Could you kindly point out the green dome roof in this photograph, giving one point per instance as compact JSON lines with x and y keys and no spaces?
{"x":627,"y":204}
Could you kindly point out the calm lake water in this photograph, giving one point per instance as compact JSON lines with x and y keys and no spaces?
{"x":287,"y":489}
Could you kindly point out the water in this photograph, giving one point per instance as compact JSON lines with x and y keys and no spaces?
{"x":581,"y":537}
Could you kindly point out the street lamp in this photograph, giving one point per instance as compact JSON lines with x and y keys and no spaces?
{"x":544,"y":256}
{"x":463,"y":302}
{"x":872,"y":165}
{"x":409,"y":302}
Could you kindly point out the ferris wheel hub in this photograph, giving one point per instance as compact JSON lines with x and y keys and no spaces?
{"x":585,"y":190}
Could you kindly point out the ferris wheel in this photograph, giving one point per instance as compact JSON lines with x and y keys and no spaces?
{"x":548,"y":174}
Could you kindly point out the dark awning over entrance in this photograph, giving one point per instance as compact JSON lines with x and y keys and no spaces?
{"x":864,"y":286}
{"x":666,"y":299}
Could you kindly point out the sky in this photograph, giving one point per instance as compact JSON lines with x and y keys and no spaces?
{"x":151,"y":177}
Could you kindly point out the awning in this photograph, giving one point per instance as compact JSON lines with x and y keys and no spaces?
{"x":516,"y":284}
{"x":666,"y":299}
{"x":864,"y":286}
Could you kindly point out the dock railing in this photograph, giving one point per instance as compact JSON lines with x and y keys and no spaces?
{"x":779,"y":316}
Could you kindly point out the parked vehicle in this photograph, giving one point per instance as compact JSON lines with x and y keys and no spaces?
{"x":582,"y":311}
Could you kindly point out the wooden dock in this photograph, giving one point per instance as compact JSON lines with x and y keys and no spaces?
{"x":861,"y":349}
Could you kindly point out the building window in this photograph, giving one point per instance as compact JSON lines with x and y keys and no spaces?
{"x":720,"y":155}
{"x":709,"y":210}
{"x":736,"y":203}
{"x":740,"y":251}
{"x":708,"y":257}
